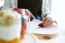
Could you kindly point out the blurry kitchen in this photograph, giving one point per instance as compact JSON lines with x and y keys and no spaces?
{"x":32,"y":21}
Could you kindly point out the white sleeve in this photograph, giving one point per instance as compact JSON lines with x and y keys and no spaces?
{"x":46,"y":6}
{"x":10,"y":4}
{"x":13,"y":3}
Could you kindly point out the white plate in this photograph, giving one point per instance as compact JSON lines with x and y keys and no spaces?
{"x":32,"y":27}
{"x":29,"y":38}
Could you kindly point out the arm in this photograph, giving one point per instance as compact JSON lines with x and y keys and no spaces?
{"x":29,"y":13}
{"x":13,"y":3}
{"x":10,"y":4}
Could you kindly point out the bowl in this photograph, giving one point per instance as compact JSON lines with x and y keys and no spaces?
{"x":45,"y":36}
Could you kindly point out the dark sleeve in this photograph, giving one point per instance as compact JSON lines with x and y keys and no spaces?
{"x":33,"y":5}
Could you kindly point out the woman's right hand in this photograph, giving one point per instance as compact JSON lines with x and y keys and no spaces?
{"x":49,"y":22}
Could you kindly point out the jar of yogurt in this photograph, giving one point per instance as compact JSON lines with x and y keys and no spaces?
{"x":10,"y":26}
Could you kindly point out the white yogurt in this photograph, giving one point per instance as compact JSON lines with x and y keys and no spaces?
{"x":13,"y":31}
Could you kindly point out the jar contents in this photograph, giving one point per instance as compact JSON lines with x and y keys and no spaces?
{"x":10,"y":26}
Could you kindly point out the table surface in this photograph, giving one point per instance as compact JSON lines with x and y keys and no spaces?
{"x":29,"y":38}
{"x":33,"y":27}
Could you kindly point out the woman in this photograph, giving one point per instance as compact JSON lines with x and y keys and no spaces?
{"x":11,"y":4}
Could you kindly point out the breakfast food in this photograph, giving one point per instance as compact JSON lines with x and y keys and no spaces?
{"x":41,"y":25}
{"x":46,"y":36}
{"x":10,"y":26}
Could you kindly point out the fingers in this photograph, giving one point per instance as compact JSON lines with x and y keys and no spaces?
{"x":55,"y":22}
{"x":29,"y":14}
{"x":49,"y":22}
{"x":33,"y":17}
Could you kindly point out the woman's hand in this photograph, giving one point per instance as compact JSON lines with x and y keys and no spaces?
{"x":47,"y":21}
{"x":29,"y":13}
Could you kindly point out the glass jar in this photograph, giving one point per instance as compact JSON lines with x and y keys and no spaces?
{"x":10,"y":26}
